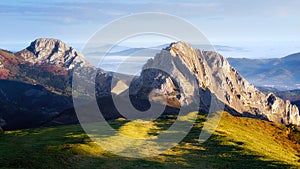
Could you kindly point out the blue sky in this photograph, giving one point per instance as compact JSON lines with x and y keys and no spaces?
{"x":242,"y":24}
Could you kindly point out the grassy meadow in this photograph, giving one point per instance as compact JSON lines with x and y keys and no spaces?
{"x":236,"y":143}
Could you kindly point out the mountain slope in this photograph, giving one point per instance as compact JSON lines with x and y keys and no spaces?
{"x":237,"y":143}
{"x":45,"y":66}
{"x":214,"y":76}
{"x":26,"y":106}
{"x":36,"y":83}
{"x":46,"y":62}
{"x":281,"y":73}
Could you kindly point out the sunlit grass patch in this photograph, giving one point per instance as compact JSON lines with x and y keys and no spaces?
{"x":138,"y":129}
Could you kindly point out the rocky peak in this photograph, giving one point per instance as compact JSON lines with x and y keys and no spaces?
{"x":53,"y":52}
{"x":213,"y":76}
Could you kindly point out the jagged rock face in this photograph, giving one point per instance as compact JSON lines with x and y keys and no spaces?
{"x":53,"y":52}
{"x":212,"y":73}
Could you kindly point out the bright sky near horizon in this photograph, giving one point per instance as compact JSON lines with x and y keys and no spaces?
{"x":244,"y":25}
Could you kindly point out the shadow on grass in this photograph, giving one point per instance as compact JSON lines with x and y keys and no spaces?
{"x":69,"y":147}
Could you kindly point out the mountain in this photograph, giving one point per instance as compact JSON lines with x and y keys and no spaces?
{"x":35,"y":92}
{"x":45,"y":71}
{"x":36,"y":84}
{"x":281,"y":73}
{"x":214,"y":77}
{"x":47,"y":62}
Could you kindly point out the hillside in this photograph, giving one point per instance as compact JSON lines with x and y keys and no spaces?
{"x":25,"y":106}
{"x":281,"y":73}
{"x":237,"y":143}
{"x":36,"y":84}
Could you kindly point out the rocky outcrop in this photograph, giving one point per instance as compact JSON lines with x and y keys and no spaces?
{"x":212,"y":74}
{"x":53,"y":52}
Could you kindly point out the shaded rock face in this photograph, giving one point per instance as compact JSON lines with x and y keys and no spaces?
{"x":212,"y":75}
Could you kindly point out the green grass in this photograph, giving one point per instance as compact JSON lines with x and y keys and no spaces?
{"x":237,"y":143}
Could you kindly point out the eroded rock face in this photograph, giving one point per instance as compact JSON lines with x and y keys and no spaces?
{"x":53,"y":52}
{"x":192,"y":69}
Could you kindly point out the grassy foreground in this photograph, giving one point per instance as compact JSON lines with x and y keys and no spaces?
{"x":237,"y":143}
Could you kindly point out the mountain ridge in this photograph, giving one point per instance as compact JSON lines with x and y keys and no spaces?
{"x":213,"y":72}
{"x":54,"y":62}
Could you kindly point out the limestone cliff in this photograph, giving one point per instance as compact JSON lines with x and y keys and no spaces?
{"x":212,"y":73}
{"x":53,"y":52}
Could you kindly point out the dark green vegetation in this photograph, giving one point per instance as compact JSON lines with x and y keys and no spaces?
{"x":237,"y":143}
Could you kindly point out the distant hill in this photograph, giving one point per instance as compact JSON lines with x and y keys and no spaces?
{"x":281,"y":73}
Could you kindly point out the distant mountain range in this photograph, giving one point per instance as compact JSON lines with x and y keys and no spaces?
{"x":281,"y":73}
{"x":42,"y":75}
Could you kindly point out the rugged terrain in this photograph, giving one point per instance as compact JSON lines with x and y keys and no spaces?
{"x":36,"y":84}
{"x":44,"y":71}
{"x":213,"y":76}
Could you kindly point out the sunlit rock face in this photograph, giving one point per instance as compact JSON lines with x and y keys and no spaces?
{"x":178,"y":71}
{"x":54,"y":52}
